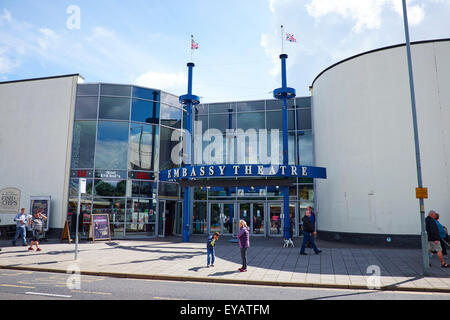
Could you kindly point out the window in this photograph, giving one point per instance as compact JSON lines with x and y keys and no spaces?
{"x":86,"y":108}
{"x":83,"y":144}
{"x":114,"y":108}
{"x":170,"y":116}
{"x":251,"y":106}
{"x":305,"y":148}
{"x":115,"y":90}
{"x":304,"y":119}
{"x":146,"y":94}
{"x":143,"y":147}
{"x":145,"y":111}
{"x":112,"y":145}
{"x":87,"y":89}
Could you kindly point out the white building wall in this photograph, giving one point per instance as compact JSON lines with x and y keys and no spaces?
{"x":36,"y":125}
{"x":364,"y":137}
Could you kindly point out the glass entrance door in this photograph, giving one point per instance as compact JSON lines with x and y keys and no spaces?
{"x":221,"y":218}
{"x":275,"y":219}
{"x":161,"y":218}
{"x":258,"y":219}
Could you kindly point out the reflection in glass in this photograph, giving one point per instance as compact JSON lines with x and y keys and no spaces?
{"x":305,"y":148}
{"x":86,"y":108}
{"x":251,"y":106}
{"x":165,"y":149}
{"x":115,"y":208}
{"x":107,"y":188}
{"x":143,"y":189}
{"x":112,"y":145}
{"x":145,"y":111}
{"x":251,"y":120}
{"x":221,"y":107}
{"x":115,"y":90}
{"x":303,"y":102}
{"x":144,"y":93}
{"x":114,"y":108}
{"x":168,"y":190}
{"x":278,"y":104}
{"x":199,"y":221}
{"x":222,"y":122}
{"x":304,"y":119}
{"x":170,"y":116}
{"x":83,"y":144}
{"x":87,"y":89}
{"x":140,"y":217}
{"x":143,"y":146}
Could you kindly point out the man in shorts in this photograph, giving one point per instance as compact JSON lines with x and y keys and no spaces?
{"x":434,"y":238}
{"x":36,"y":224}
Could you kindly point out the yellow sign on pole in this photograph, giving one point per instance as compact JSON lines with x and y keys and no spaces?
{"x":422,"y":193}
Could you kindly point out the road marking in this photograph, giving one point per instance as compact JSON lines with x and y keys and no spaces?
{"x":167,"y":298}
{"x":92,"y":292}
{"x":48,"y":294}
{"x":16,"y":286}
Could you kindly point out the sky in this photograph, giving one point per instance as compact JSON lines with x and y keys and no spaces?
{"x":147,"y":42}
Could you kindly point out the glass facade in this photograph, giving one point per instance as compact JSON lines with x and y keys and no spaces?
{"x":116,"y":146}
{"x":123,"y":136}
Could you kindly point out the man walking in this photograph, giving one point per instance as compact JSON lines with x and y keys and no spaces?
{"x":434,"y":238}
{"x":21,"y":223}
{"x":308,"y":230}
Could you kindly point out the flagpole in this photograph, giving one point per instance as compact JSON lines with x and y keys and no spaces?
{"x":192,"y":39}
{"x":282,"y":36}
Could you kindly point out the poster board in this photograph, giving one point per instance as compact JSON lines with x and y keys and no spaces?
{"x":66,"y":233}
{"x":41,"y":203}
{"x":100,"y":228}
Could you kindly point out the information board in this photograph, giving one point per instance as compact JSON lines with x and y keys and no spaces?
{"x":100,"y":227}
{"x":41,"y":204}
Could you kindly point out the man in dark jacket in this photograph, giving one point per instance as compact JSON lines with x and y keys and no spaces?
{"x":434,"y":238}
{"x":308,"y":230}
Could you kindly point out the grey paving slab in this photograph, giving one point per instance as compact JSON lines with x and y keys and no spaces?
{"x":268,"y":262}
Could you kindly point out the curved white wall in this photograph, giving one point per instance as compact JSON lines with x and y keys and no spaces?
{"x":364,"y":137}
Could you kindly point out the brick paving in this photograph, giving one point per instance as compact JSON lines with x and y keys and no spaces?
{"x":339,"y":265}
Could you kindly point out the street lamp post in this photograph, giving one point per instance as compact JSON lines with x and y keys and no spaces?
{"x":424,"y":238}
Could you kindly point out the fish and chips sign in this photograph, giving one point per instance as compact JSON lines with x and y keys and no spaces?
{"x":10,"y":200}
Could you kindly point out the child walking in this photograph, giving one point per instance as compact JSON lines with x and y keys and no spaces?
{"x":210,"y":254}
{"x":36,"y":224}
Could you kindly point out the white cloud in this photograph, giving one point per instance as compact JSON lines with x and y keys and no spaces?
{"x":271,"y":48}
{"x":171,"y":82}
{"x":366,"y":14}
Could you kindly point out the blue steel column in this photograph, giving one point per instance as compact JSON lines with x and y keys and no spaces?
{"x":284,"y":93}
{"x":188,"y":101}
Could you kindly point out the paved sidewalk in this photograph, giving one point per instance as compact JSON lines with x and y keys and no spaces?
{"x":338,"y":266}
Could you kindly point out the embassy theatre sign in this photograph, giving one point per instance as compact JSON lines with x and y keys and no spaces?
{"x":242,"y":171}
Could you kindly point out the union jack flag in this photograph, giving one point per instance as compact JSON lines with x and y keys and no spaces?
{"x":290,"y":37}
{"x":194,"y":45}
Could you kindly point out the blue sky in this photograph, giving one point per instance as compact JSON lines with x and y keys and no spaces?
{"x":148,"y":42}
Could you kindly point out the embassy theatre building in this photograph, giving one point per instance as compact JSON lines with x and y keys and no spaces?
{"x":162,"y":165}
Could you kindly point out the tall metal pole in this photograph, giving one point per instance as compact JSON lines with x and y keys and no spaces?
{"x":424,"y":237}
{"x":284,"y":93}
{"x":78,"y":219}
{"x":188,"y":101}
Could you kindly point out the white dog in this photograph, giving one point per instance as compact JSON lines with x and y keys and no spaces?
{"x":288,"y":242}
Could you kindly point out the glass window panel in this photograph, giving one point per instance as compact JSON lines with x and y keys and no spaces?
{"x":305,"y":148}
{"x":73,"y":187}
{"x":143,"y":147}
{"x":199,"y":218}
{"x":141,"y":217}
{"x":170,"y":116}
{"x":170,"y":99}
{"x":168,"y":189}
{"x":201,"y":109}
{"x":144,"y":93}
{"x":145,"y":111}
{"x":115,"y":208}
{"x":303,"y":102}
{"x":165,"y":149}
{"x":221,"y":107}
{"x":222,"y":122}
{"x":112,"y":145}
{"x":204,"y":122}
{"x":110,"y":188}
{"x":143,"y":189}
{"x":86,"y":108}
{"x":115,"y":90}
{"x":114,"y":108}
{"x":83,"y":144}
{"x":251,"y":106}
{"x":251,"y":120}
{"x":278,"y":104}
{"x":304,"y":119}
{"x":275,"y":120}
{"x":87,"y":89}
{"x":200,"y":193}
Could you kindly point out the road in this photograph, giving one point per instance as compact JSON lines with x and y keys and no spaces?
{"x":26,"y":285}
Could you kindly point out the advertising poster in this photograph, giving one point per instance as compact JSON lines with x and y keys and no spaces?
{"x":41,"y":204}
{"x":100,"y":227}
